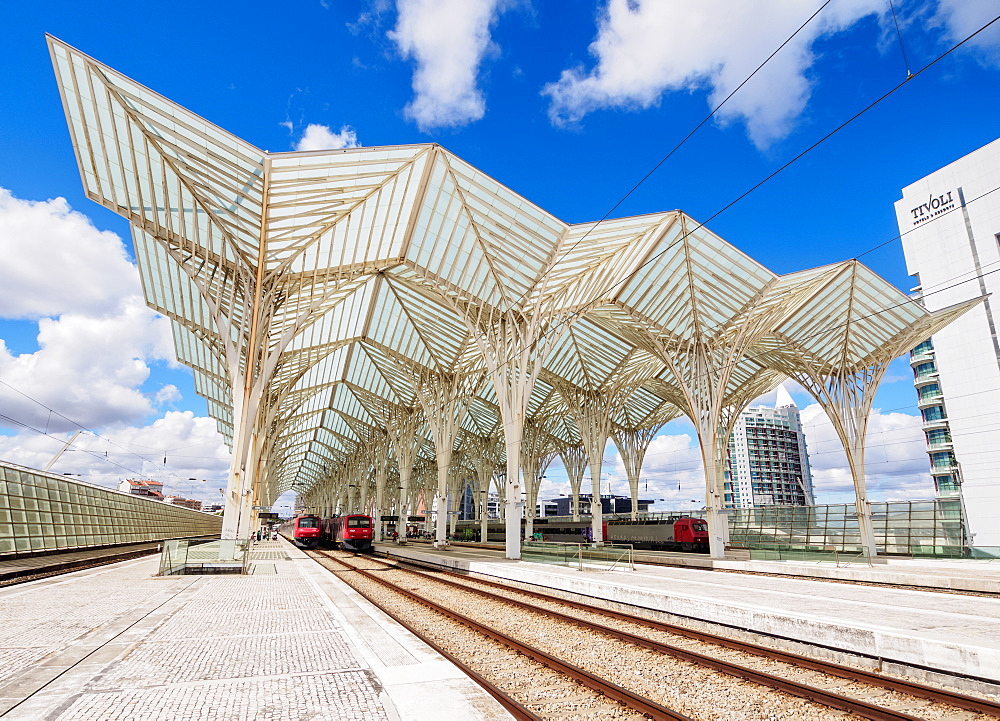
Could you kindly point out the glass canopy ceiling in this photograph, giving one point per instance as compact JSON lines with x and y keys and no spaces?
{"x":328,"y":301}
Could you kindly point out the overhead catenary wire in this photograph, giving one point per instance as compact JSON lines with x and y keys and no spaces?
{"x":678,"y":146}
{"x":566,"y":319}
{"x":899,"y":37}
{"x":701,"y":224}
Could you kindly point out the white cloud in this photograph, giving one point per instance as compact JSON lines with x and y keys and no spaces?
{"x":961,"y":18}
{"x":168,"y":394}
{"x":321,"y":137}
{"x":448,"y":40}
{"x":192,"y":446}
{"x":56,"y":261}
{"x":87,"y":368}
{"x":646,"y":48}
{"x":672,"y":470}
{"x":97,"y":341}
{"x":96,"y":337}
{"x":896,"y":462}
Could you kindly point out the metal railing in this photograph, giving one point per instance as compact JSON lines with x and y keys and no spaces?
{"x":581,"y":555}
{"x":841,"y":556}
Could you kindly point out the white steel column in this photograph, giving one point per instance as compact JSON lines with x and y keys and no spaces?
{"x":632,"y":444}
{"x":574,"y":459}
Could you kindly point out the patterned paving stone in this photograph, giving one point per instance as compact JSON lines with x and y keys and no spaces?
{"x":14,"y":660}
{"x":192,"y":625}
{"x":345,"y":696}
{"x":220,"y":658}
{"x":129,"y":646}
{"x":48,"y":632}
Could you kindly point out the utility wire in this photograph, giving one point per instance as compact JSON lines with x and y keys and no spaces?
{"x":673,"y":150}
{"x":576,"y":314}
{"x":700,"y":224}
{"x":899,"y":37}
{"x":802,"y":154}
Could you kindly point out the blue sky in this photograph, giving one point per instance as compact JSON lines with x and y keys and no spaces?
{"x":569,"y":104}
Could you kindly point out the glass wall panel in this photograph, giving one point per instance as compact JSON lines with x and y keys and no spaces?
{"x":903,"y":528}
{"x":39,"y":511}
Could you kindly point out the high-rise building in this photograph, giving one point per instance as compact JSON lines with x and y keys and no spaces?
{"x":945,"y":470}
{"x":949,"y":222}
{"x":767,"y":461}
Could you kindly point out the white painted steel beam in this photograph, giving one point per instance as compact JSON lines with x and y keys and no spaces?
{"x":346,"y":310}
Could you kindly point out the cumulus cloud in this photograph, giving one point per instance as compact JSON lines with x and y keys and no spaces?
{"x":191,"y":445}
{"x":321,"y":137}
{"x":646,"y":48}
{"x":961,"y":18}
{"x":88,"y":368}
{"x":56,"y":261}
{"x":96,"y":337}
{"x":447,"y":40}
{"x":895,"y":462}
{"x":168,"y":394}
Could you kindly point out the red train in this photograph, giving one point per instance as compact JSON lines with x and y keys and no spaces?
{"x":352,"y":533}
{"x":303,"y":531}
{"x":672,"y":533}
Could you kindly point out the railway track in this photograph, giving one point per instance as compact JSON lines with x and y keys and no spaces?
{"x":858,"y":693}
{"x":530,"y":683}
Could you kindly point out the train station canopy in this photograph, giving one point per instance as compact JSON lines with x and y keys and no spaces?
{"x":323,"y":297}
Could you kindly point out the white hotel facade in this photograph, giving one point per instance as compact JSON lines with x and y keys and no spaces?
{"x":950,"y":227}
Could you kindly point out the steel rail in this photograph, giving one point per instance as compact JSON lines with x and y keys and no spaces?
{"x":969,"y":703}
{"x":516,"y":709}
{"x":602,"y":686}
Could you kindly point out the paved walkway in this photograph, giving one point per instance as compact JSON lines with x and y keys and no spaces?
{"x":913,"y":629}
{"x":287,"y":643}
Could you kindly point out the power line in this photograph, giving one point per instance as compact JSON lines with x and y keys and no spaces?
{"x":717,"y":213}
{"x":803,"y":153}
{"x":677,"y":147}
{"x":579,"y":313}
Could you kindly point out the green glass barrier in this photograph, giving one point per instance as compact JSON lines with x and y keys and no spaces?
{"x":187,"y":557}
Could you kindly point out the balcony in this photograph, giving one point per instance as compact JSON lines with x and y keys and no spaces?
{"x":926,"y":356}
{"x":932,"y":425}
{"x":929,"y":401}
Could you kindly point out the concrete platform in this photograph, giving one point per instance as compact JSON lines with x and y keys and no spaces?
{"x":289,"y":642}
{"x":919,"y":633}
{"x":953,"y":574}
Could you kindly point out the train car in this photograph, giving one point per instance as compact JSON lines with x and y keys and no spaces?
{"x":354,"y":532}
{"x":673,"y":533}
{"x":670,"y":534}
{"x":565,"y":531}
{"x":303,"y":531}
